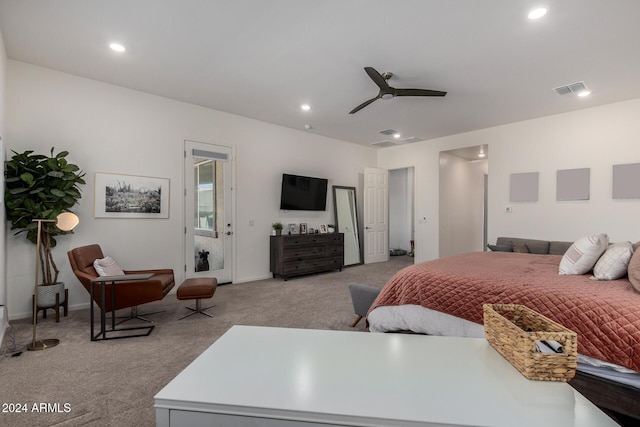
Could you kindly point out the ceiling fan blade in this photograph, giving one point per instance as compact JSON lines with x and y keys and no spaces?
{"x":377,"y":78}
{"x":418,"y":92}
{"x":364,"y":104}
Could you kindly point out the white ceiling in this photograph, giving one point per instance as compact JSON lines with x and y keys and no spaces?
{"x":263,"y":58}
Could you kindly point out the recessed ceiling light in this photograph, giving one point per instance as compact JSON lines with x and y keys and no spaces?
{"x":537,"y":13}
{"x":305,"y":107}
{"x":396,"y":135}
{"x":117,"y":47}
{"x":584,"y":93}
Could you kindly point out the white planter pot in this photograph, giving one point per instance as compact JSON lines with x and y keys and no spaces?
{"x":47,"y":294}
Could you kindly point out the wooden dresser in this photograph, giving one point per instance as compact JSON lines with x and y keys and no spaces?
{"x":298,"y":254}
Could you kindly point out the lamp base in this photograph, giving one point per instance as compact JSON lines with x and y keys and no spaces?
{"x":43,"y":344}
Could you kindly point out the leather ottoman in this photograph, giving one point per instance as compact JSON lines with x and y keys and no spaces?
{"x":197,"y":289}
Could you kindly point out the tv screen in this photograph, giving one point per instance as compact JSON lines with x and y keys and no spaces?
{"x":303,"y":193}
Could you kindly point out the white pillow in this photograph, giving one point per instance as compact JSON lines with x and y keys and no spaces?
{"x":583,"y":254}
{"x":613,"y":263}
{"x":107,"y":267}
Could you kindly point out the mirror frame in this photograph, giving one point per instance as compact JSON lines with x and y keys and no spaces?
{"x":356,"y":226}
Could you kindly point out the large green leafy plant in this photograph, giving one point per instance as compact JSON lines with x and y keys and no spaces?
{"x":41,"y":187}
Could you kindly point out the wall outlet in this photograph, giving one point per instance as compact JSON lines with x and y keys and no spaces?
{"x":508,"y":209}
{"x":252,"y":222}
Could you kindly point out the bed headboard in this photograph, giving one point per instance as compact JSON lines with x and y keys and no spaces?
{"x":545,"y":247}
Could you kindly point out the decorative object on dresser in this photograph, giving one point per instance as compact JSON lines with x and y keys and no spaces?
{"x":293,"y":228}
{"x":295,"y":255}
{"x":277,"y":228}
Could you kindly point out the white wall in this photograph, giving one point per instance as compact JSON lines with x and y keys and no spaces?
{"x":461,"y":210}
{"x":401,"y":208}
{"x":108,"y":128}
{"x":596,"y":138}
{"x":3,"y":276}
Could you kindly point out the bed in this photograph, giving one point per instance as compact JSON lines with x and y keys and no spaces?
{"x":445,"y":297}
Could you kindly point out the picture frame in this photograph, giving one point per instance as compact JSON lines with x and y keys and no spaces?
{"x":303,"y":228}
{"x":323,"y":228}
{"x":293,"y":228}
{"x":130,"y":196}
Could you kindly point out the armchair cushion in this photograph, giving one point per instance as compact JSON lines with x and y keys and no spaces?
{"x":107,"y":267}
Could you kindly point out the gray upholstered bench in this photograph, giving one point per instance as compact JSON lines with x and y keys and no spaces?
{"x":197,"y":289}
{"x":362,"y":296}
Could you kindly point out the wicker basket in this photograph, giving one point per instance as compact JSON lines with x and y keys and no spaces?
{"x":513,"y":331}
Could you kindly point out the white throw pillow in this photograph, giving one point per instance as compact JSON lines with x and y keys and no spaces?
{"x":107,"y":267}
{"x":613,"y":263}
{"x":583,"y":254}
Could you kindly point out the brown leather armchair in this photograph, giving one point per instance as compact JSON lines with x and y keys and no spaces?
{"x":129,"y":294}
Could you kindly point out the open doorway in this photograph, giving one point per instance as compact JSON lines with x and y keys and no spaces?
{"x":462,"y":200}
{"x":401,"y":211}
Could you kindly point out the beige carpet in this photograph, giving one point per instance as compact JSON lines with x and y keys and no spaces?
{"x":112,"y":383}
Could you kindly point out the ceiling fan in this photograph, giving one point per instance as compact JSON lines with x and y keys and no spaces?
{"x":388,"y":92}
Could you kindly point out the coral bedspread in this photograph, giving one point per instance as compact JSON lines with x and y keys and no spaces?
{"x":604,"y":314}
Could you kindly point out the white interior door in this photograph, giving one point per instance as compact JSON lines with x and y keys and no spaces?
{"x":376,"y":215}
{"x":208,"y":211}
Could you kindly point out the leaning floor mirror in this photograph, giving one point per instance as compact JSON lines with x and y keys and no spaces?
{"x":344,"y":205}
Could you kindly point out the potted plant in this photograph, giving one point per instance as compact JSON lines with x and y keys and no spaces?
{"x":277,"y":226}
{"x":41,"y":187}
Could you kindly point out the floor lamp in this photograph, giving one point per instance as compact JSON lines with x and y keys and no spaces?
{"x":66,"y":221}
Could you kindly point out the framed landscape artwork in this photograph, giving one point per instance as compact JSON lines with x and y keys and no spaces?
{"x":131,"y":196}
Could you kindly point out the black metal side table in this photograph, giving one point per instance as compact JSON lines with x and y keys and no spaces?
{"x":114,"y":280}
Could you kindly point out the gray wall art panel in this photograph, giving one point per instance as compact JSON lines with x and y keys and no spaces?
{"x":573,"y":184}
{"x":524,"y":187}
{"x":626,"y":181}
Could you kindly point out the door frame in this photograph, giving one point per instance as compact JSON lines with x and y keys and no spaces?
{"x":231,"y":253}
{"x":412,"y":196}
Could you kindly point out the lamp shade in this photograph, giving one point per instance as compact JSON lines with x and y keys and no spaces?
{"x":67,"y":221}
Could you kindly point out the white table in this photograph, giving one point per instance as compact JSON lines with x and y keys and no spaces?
{"x":259,"y":376}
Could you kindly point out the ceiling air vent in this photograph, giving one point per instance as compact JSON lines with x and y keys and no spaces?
{"x":409,"y":140}
{"x":570,"y":88}
{"x":389,"y":132}
{"x":384,"y":143}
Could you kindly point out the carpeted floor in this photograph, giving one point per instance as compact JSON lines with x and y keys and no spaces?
{"x":112,"y":383}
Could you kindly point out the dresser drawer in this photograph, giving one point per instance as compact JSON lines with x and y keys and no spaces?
{"x":303,"y":252}
{"x":311,"y":240}
{"x":334,"y":263}
{"x":334,"y":251}
{"x":296,"y":268}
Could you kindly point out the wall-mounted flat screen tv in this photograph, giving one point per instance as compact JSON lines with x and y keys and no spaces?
{"x":303,"y":193}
